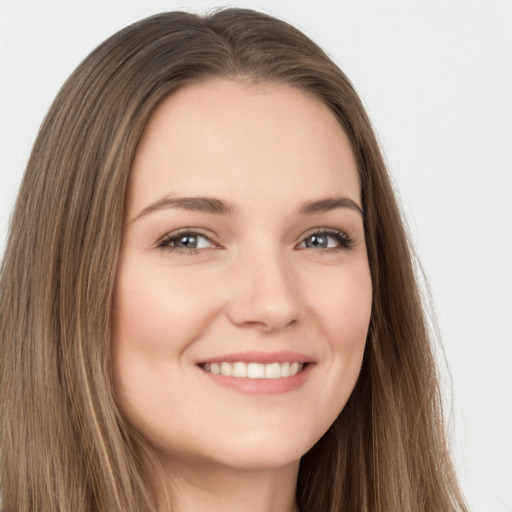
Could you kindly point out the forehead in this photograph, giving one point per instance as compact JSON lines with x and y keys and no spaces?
{"x":227,"y":138}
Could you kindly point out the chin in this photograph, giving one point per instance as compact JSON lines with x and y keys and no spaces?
{"x":260,"y":460}
{"x":262,"y":451}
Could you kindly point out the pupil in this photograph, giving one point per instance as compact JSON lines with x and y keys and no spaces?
{"x":316,"y":241}
{"x":187,"y":241}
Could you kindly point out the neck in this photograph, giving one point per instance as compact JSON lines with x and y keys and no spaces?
{"x":216,"y":488}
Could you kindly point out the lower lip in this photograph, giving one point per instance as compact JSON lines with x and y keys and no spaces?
{"x":261,"y":386}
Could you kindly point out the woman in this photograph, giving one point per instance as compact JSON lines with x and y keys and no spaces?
{"x":207,"y":299}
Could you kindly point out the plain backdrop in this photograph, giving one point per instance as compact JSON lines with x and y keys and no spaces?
{"x":436,"y":78}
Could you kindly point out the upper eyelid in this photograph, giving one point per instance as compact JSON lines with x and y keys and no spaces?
{"x":171,"y":235}
{"x":342,"y":237}
{"x":188,"y":231}
{"x":327,"y":230}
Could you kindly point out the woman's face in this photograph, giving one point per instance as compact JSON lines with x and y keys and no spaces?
{"x":243,"y":253}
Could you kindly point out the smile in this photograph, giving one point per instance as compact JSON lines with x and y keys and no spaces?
{"x":256,"y":372}
{"x":273,"y":370}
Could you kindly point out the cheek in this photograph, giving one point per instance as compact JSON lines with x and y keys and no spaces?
{"x":339,"y":308}
{"x":157,"y":311}
{"x":157,"y":315}
{"x":156,"y":318}
{"x":343,"y":307}
{"x":343,"y":311}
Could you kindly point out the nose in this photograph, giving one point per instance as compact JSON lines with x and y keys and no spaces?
{"x":263,"y":294}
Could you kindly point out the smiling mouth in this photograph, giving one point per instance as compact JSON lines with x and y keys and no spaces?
{"x":275,"y":370}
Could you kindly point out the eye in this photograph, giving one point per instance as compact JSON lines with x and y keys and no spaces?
{"x":326,"y":239}
{"x":186,"y":241}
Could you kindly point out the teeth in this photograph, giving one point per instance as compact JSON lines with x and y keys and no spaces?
{"x":272,"y":371}
{"x":226,"y":369}
{"x":294,"y":368}
{"x":239,"y":370}
{"x":254,"y":370}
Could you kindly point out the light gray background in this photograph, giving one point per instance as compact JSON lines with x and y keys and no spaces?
{"x":436,"y":78}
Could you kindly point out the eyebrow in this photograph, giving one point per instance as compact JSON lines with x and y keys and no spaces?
{"x":194,"y":204}
{"x":220,"y":207}
{"x":328,"y":204}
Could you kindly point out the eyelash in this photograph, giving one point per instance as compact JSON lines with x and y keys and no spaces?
{"x":166,"y":241}
{"x":344,"y":241}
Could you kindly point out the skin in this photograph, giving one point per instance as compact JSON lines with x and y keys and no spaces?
{"x":253,"y":284}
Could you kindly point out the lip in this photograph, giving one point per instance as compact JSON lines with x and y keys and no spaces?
{"x":257,"y":356}
{"x":260,"y":386}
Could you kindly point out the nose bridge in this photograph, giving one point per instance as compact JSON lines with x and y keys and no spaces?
{"x":263,"y":292}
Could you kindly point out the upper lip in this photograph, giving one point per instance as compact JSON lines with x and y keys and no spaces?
{"x":253,"y":356}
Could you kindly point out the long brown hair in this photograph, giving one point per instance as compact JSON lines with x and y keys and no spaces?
{"x":64,"y":445}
